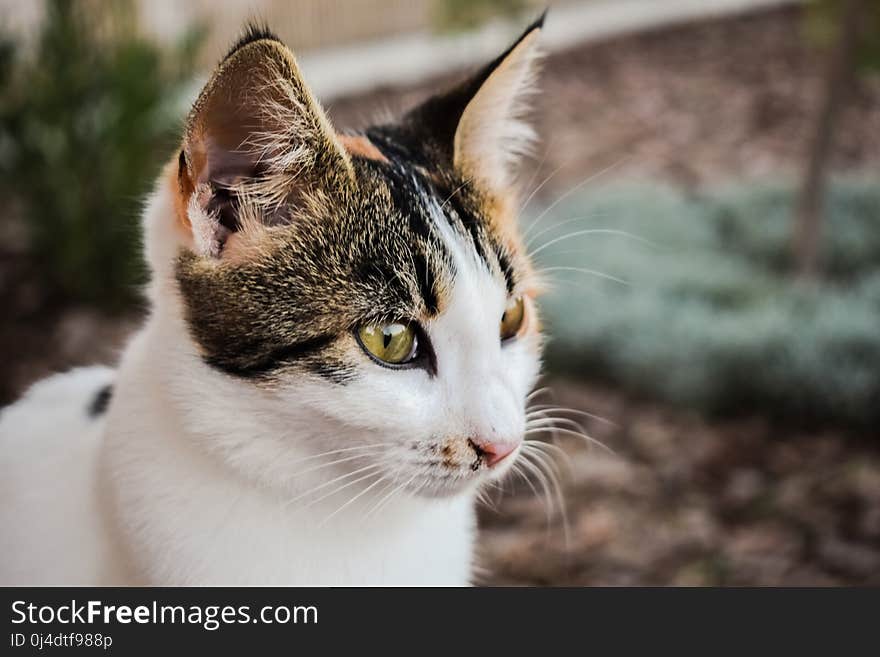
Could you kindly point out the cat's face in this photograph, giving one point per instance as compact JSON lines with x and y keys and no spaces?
{"x":377,"y":280}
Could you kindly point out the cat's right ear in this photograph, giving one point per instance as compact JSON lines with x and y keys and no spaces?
{"x":256,"y":143}
{"x":478,"y":127}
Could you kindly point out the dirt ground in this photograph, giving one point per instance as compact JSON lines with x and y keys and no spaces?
{"x":685,"y":501}
{"x":682,"y":500}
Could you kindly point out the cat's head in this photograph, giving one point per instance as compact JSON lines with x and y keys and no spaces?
{"x":374,"y":283}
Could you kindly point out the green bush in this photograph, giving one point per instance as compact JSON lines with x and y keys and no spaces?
{"x":87,"y":114}
{"x":709,"y":317}
{"x":456,"y":15}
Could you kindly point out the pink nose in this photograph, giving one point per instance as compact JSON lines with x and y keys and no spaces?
{"x":493,"y":453}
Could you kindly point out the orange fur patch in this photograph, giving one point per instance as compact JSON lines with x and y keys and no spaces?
{"x":361,"y":146}
{"x":179,"y":182}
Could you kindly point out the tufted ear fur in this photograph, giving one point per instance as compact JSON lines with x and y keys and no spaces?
{"x":256,"y":141}
{"x":491,"y":134}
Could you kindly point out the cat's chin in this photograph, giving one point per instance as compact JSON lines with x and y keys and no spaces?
{"x":447,"y":487}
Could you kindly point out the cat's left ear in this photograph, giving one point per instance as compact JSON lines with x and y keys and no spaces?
{"x":256,"y":146}
{"x":480,"y":125}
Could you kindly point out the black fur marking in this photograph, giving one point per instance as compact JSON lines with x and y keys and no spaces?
{"x":182,"y":169}
{"x":408,"y":194}
{"x":338,"y":373}
{"x":384,"y":140}
{"x":101,"y":401}
{"x":407,"y":199}
{"x":506,"y":269}
{"x":470,"y":224}
{"x":427,"y":282}
{"x":272,"y":361}
{"x":411,"y":186}
{"x":253,"y":31}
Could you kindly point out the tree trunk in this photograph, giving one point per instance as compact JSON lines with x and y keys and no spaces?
{"x":811,"y":197}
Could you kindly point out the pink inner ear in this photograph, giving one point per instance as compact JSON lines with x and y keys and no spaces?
{"x":225,"y":141}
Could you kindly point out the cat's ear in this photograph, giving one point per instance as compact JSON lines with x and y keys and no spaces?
{"x":255,"y":142}
{"x":480,"y":123}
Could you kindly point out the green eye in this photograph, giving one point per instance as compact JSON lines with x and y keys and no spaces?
{"x":395,"y":343}
{"x":512,"y":319}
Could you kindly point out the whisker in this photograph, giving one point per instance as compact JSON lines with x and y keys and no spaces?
{"x":331,"y":482}
{"x":535,"y":393}
{"x":517,"y":470}
{"x":534,"y":176}
{"x":592,"y":231}
{"x":535,"y":191}
{"x":483,"y":498}
{"x":552,"y":474}
{"x":544,"y":417}
{"x":391,"y":483}
{"x":343,"y":487}
{"x":339,"y":451}
{"x":420,"y":487}
{"x":551,"y":464}
{"x":556,"y":422}
{"x":576,"y":188}
{"x":388,"y":497}
{"x":354,"y":499}
{"x":565,"y":222}
{"x":583,"y":436}
{"x":455,"y":191}
{"x":591,"y":272}
{"x":332,"y":463}
{"x":556,"y":449}
{"x":545,"y":486}
{"x":530,"y":418}
{"x":575,"y":411}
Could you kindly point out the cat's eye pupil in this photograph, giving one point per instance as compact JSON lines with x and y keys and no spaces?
{"x":394,"y":343}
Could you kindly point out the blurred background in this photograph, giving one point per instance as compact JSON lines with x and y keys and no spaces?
{"x":705,"y":200}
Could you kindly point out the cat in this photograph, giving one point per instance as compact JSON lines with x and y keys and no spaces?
{"x":342,"y":338}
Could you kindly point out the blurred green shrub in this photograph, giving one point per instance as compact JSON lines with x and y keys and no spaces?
{"x":708,"y":318}
{"x":823,"y":19}
{"x":88,"y":112}
{"x":468,"y":14}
